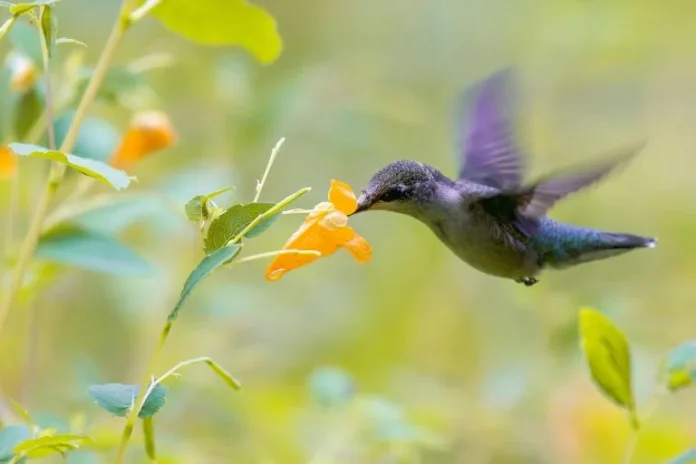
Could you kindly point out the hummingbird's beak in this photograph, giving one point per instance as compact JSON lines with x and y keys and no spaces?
{"x":363,"y":204}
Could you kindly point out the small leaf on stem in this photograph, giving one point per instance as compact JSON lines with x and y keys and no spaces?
{"x":609,"y":358}
{"x":118,"y":399}
{"x":230,"y":223}
{"x":49,"y":28}
{"x":95,"y":169}
{"x":679,"y":367}
{"x":233,"y":22}
{"x":206,"y":267}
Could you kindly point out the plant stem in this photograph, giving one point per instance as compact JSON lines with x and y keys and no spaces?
{"x":271,"y":160}
{"x":143,"y":391}
{"x":271,"y":254}
{"x":57,"y":171}
{"x":149,"y":433}
{"x":7,"y":25}
{"x":635,"y":435}
{"x":10,"y":226}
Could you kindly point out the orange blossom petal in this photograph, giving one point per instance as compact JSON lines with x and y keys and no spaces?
{"x":342,"y":197}
{"x":8,"y":163}
{"x":148,"y":133}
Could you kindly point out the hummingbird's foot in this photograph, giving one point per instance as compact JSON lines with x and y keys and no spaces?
{"x":528,"y":281}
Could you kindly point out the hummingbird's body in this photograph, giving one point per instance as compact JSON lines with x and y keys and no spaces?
{"x":487,"y":217}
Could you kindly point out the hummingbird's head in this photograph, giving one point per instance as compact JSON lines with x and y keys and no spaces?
{"x":402,"y":187}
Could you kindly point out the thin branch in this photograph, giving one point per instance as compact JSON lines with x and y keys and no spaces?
{"x":271,"y":160}
{"x":271,"y":254}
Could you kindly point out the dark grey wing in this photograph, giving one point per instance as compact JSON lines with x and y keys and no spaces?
{"x":525,"y":207}
{"x":488,"y":150}
{"x":548,"y":191}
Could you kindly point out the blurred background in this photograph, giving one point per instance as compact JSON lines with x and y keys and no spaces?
{"x":414,"y":357}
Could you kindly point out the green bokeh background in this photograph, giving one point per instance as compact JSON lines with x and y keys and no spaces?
{"x":484,"y":370}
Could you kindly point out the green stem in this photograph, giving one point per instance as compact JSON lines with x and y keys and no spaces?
{"x":270,"y":212}
{"x":7,"y":25}
{"x":271,"y":160}
{"x":149,"y":433}
{"x":635,"y":435}
{"x":143,"y":391}
{"x":57,"y":171}
{"x":271,"y":254}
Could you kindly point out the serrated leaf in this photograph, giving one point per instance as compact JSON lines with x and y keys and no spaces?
{"x":78,"y":247}
{"x":10,"y":437}
{"x":118,"y":399}
{"x":97,"y":139}
{"x":233,"y":22}
{"x":609,"y":358}
{"x":209,"y":264}
{"x":679,"y":366}
{"x":95,"y":169}
{"x":24,"y":39}
{"x":224,"y":375}
{"x":234,"y":220}
{"x":49,"y":445}
{"x":687,"y":458}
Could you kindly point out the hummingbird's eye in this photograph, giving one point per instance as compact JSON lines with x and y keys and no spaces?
{"x":393,"y":194}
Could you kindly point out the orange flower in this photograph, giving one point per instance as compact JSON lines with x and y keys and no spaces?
{"x":8,"y":163}
{"x":324,"y":230}
{"x":148,"y":133}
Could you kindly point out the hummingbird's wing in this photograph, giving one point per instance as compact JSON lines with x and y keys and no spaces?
{"x":525,"y":207}
{"x":487,"y":147}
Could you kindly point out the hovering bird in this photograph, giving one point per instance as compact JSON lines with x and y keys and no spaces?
{"x":488,"y":217}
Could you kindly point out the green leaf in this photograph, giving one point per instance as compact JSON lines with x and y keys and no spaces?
{"x":203,"y":270}
{"x":97,"y":139}
{"x":78,"y":247}
{"x":27,"y":109}
{"x":95,"y":169}
{"x":69,"y":41}
{"x":679,"y":367}
{"x":234,"y":220}
{"x":10,"y":437}
{"x":687,"y":458}
{"x":149,"y":434}
{"x":200,"y":207}
{"x":21,"y":411}
{"x":609,"y":358}
{"x":25,"y":7}
{"x":223,"y":374}
{"x":118,"y":399}
{"x":49,"y":28}
{"x":49,"y":445}
{"x":232,"y":22}
{"x":24,"y":38}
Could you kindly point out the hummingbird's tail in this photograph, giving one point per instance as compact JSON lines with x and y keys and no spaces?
{"x":563,"y":245}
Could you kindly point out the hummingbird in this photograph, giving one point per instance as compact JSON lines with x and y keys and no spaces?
{"x":488,"y":216}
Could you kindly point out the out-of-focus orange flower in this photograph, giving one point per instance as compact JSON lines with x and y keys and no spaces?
{"x":148,"y":132}
{"x":23,"y":72}
{"x":8,"y":163}
{"x":324,"y":230}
